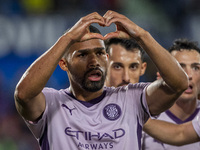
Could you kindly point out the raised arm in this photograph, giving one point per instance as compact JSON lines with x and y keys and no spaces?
{"x":29,"y":99}
{"x":161,"y":94}
{"x":170,"y":133}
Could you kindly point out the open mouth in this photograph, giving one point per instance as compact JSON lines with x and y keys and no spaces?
{"x":189,"y":89}
{"x":95,"y":75}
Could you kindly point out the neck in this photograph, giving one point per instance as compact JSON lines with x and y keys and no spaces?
{"x":84,"y":95}
{"x":183,"y":109}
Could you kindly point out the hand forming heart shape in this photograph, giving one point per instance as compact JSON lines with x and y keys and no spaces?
{"x":125,"y":28}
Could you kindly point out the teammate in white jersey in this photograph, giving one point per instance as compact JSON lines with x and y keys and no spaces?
{"x":126,"y":65}
{"x":185,"y":109}
{"x":88,"y":115}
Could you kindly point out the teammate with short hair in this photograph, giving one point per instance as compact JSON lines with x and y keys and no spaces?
{"x":126,"y":65}
{"x":126,"y":62}
{"x":185,"y":109}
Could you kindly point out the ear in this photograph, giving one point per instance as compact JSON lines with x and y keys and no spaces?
{"x":143,"y":68}
{"x":63,"y":64}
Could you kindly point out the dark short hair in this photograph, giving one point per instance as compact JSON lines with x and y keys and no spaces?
{"x":184,"y":43}
{"x":128,"y":44}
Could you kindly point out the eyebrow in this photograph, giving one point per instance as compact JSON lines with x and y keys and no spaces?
{"x":196,"y":64}
{"x":117,"y":63}
{"x":135,"y":63}
{"x":87,"y":50}
{"x":121,"y":64}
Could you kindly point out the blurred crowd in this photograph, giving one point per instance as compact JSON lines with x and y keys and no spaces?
{"x":24,"y":7}
{"x":166,"y":20}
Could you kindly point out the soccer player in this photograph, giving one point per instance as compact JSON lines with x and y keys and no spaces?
{"x":185,"y":109}
{"x":126,"y":65}
{"x":126,"y":62}
{"x":87,"y":115}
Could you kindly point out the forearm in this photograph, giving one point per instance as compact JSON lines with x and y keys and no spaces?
{"x":162,"y":131}
{"x":37,"y":75}
{"x":168,"y":67}
{"x":189,"y":135}
{"x":170,"y":133}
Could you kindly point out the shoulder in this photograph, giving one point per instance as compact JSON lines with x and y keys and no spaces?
{"x":51,"y":93}
{"x":140,"y":85}
{"x":130,"y":89}
{"x":54,"y":91}
{"x":198,"y":103}
{"x":135,"y":86}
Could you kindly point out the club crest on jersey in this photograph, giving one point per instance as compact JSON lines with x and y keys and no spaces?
{"x":112,"y":112}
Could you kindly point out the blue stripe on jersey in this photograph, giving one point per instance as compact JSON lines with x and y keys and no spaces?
{"x":146,"y":118}
{"x":179,"y":121}
{"x":139,"y":133}
{"x":44,"y":143}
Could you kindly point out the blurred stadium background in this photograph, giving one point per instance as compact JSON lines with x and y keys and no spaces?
{"x":29,"y":27}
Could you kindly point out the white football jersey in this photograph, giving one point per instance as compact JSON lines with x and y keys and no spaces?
{"x":149,"y":143}
{"x":112,"y":121}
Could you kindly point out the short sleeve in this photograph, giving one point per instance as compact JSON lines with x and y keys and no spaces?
{"x":196,"y":125}
{"x":37,"y":128}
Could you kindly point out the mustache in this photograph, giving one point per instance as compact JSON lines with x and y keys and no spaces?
{"x":92,"y":69}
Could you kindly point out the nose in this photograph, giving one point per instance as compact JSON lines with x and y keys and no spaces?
{"x":93,"y":61}
{"x":126,"y":77}
{"x":189,"y":73}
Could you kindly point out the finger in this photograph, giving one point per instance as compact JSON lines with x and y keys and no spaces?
{"x":89,"y":19}
{"x":81,"y":28}
{"x":117,"y":34}
{"x":109,"y":12}
{"x":112,"y":35}
{"x":94,"y":15}
{"x":88,"y":22}
{"x":89,"y":36}
{"x":108,"y":15}
{"x":116,"y":20}
{"x":111,"y":15}
{"x":102,"y":24}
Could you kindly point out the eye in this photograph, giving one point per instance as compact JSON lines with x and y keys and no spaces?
{"x":82,"y":55}
{"x":100,"y":53}
{"x":183,"y":66}
{"x":134,"y":66}
{"x":117,"y":67}
{"x":196,"y":68}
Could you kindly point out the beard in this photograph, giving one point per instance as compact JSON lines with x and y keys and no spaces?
{"x":91,"y":86}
